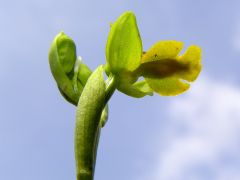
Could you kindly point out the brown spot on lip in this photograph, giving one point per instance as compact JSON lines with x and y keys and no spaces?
{"x":161,"y":68}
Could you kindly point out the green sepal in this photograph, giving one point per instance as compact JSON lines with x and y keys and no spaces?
{"x":136,"y":90}
{"x":143,"y":87}
{"x":124,"y":45}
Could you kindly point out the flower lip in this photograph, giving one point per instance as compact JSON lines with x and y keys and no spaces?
{"x":161,"y":68}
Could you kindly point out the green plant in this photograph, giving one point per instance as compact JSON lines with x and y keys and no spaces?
{"x":164,"y":71}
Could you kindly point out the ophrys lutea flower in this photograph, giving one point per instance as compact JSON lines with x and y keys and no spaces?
{"x":165,"y":71}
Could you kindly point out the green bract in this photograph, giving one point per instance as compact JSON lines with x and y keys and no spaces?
{"x":164,"y":70}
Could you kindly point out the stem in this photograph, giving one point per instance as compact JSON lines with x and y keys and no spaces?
{"x":104,"y":115}
{"x":98,"y":133}
{"x":89,"y":120}
{"x":89,"y":109}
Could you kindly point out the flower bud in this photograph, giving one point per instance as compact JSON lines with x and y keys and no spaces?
{"x":66,"y":52}
{"x":62,"y":58}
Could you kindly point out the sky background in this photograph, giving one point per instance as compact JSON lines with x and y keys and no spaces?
{"x":194,"y":136}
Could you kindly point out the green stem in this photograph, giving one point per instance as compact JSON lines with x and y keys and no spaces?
{"x":104,"y":116}
{"x":94,"y":98}
{"x":98,"y":133}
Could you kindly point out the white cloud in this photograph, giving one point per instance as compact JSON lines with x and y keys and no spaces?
{"x":203,"y":140}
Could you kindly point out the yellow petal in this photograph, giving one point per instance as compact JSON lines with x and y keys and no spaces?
{"x":169,"y":86}
{"x":163,"y":50}
{"x":191,"y":58}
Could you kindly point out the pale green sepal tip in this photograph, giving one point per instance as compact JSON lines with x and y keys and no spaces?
{"x":144,"y":87}
{"x":136,"y":90}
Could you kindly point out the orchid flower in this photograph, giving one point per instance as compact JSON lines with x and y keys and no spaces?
{"x":164,"y":70}
{"x":161,"y":69}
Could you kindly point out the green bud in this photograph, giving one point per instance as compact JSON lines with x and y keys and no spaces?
{"x":62,"y":58}
{"x":70,"y":73}
{"x":66,"y":51}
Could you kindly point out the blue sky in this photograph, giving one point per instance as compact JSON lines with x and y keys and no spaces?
{"x":192,"y":136}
